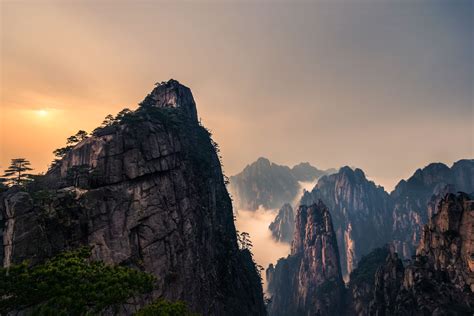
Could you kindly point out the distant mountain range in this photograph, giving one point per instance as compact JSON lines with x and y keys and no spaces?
{"x":364,"y":215}
{"x":438,"y":281}
{"x":264,"y":183}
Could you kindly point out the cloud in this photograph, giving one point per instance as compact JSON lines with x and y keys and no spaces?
{"x":265,"y":249}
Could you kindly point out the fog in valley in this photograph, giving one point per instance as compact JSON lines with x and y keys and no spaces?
{"x":265,"y":249}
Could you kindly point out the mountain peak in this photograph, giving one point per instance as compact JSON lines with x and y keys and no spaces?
{"x":172,"y":94}
{"x":263,"y":161}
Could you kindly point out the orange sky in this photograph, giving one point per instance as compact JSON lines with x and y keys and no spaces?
{"x":385,"y":87}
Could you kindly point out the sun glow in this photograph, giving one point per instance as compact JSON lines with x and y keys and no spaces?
{"x":42,"y":113}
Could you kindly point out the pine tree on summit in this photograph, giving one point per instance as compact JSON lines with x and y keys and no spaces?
{"x":16,"y":173}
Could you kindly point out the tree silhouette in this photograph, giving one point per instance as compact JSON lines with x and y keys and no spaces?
{"x":120,"y":115}
{"x":244,"y":241}
{"x":109,"y":120}
{"x":77,"y":138}
{"x":71,"y":141}
{"x":16,"y":172}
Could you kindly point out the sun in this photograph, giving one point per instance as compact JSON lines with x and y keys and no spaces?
{"x":42,"y":113}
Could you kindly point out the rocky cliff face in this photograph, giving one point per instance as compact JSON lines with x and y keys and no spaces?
{"x":361,"y":286}
{"x":360,"y":212}
{"x":308,"y":281}
{"x":414,"y":199}
{"x":153,"y":198}
{"x":440,"y":281}
{"x":283,"y":226}
{"x":270,"y":185}
{"x":388,"y":281}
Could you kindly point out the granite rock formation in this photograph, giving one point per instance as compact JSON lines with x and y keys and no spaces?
{"x":360,"y":211}
{"x":267,"y":184}
{"x":440,"y":280}
{"x":154,"y":199}
{"x":361,"y":285}
{"x":283,"y":226}
{"x":309,"y":280}
{"x":414,"y":200}
{"x":388,"y":281}
{"x":366,"y":217}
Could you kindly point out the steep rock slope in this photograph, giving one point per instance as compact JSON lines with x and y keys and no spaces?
{"x":152,"y":197}
{"x":270,"y":185}
{"x":360,"y":212}
{"x":283,"y":226}
{"x":440,"y":281}
{"x":308,"y":281}
{"x":414,"y":199}
{"x":361,"y":286}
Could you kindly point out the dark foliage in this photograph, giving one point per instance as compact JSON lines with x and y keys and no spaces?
{"x":165,"y":308}
{"x":69,"y":284}
{"x":17,"y":172}
{"x":368,"y":265}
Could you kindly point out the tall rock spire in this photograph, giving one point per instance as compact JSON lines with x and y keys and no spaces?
{"x":309,"y":281}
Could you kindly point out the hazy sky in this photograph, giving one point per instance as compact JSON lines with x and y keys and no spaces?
{"x":386,"y":86}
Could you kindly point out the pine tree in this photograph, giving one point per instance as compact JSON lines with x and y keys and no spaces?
{"x":109,"y":120}
{"x":71,"y":141}
{"x":16,"y":173}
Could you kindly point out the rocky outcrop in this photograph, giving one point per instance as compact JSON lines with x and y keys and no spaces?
{"x":283,"y":226}
{"x":447,"y":241}
{"x":366,"y":217}
{"x":154,"y":199}
{"x":440,"y":280}
{"x":360,"y":212}
{"x":414,"y":200}
{"x":361,"y":286}
{"x":267,"y":184}
{"x":308,"y":281}
{"x":388,"y":280}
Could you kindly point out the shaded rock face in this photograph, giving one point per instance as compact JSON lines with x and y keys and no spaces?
{"x":388,"y":280}
{"x":447,"y":241}
{"x":172,"y":94}
{"x":269,"y":185}
{"x":440,"y":280}
{"x":155,"y":200}
{"x":360,"y":212}
{"x":263,"y":183}
{"x":283,"y":226}
{"x":306,"y":172}
{"x":361,"y":286}
{"x":308,"y":281}
{"x":414,"y":200}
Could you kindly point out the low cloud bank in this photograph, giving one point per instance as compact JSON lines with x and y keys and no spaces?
{"x":265,"y":249}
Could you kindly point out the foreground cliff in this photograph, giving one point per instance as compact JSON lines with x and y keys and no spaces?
{"x":309,"y":280}
{"x":148,"y":192}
